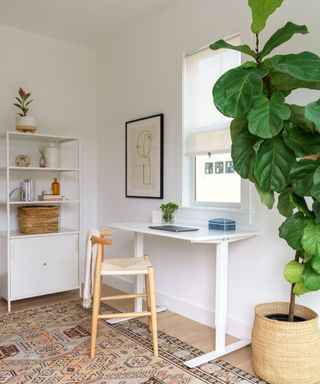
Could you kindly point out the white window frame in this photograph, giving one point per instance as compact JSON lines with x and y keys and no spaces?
{"x":187,"y":191}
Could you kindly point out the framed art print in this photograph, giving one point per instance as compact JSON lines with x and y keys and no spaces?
{"x":144,"y":157}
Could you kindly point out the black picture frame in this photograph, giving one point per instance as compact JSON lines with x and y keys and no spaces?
{"x":144,"y":157}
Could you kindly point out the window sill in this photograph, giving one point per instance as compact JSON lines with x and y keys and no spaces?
{"x":214,"y":208}
{"x":199,"y":215}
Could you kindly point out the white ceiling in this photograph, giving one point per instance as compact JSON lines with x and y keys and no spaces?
{"x":86,"y":22}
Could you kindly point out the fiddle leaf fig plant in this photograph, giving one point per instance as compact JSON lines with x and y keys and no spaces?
{"x":276,"y":144}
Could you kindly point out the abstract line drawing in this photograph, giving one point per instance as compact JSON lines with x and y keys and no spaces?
{"x":144,"y":146}
{"x":144,"y":157}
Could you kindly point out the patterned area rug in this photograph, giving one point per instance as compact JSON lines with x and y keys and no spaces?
{"x":51,"y":345}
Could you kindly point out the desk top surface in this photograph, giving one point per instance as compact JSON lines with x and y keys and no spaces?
{"x":203,"y":235}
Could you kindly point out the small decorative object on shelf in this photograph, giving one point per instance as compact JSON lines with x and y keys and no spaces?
{"x":48,"y":196}
{"x":17,"y":193}
{"x":55,"y":187}
{"x":22,"y":161}
{"x":24,"y":123}
{"x":42,"y":160}
{"x":168,"y":209}
{"x":27,"y":190}
{"x":53,"y":155}
{"x":24,"y":192}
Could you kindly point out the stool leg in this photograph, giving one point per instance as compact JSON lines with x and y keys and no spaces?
{"x":148,"y":301}
{"x":146,"y":280}
{"x":96,"y":304}
{"x":153,"y":311}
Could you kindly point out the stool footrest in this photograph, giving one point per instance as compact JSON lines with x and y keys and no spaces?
{"x":120,"y":315}
{"x":121,"y":297}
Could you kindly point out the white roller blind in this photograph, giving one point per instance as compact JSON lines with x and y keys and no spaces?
{"x":202,"y":70}
{"x":213,"y":142}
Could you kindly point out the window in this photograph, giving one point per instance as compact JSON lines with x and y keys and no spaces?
{"x":216,"y":180}
{"x":208,"y":165}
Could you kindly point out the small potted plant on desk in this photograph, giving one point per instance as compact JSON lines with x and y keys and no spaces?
{"x":167,"y":212}
{"x":24,"y":123}
{"x":275,"y":145}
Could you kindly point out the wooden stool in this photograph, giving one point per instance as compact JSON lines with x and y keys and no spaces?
{"x":113,"y":267}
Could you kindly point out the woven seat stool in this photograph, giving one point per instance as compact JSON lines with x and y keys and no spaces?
{"x":113,"y":267}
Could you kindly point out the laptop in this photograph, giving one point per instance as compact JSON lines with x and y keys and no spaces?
{"x":173,"y":228}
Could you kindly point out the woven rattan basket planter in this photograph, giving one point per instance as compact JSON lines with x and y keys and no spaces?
{"x":38,"y":219}
{"x":283,"y":352}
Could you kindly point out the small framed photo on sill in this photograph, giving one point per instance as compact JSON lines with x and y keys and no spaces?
{"x":144,"y":157}
{"x":218,"y":167}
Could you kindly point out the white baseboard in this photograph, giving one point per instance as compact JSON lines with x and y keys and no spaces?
{"x":235,"y":327}
{"x":119,"y":283}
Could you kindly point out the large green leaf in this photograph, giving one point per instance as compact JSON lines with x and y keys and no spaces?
{"x":300,"y":141}
{"x":300,"y":203}
{"x":249,"y":65}
{"x":281,"y":36}
{"x":261,"y":10}
{"x":285,"y":206}
{"x":240,"y":48}
{"x":273,"y":164}
{"x":310,"y":278}
{"x":293,"y":271}
{"x":315,"y":263}
{"x":243,"y":153}
{"x":312,"y":112}
{"x":288,"y":83}
{"x":303,"y":66}
{"x":311,"y":238}
{"x":316,"y":211}
{"x":292,"y":230}
{"x":298,"y":118}
{"x":315,"y":190}
{"x":266,"y":197}
{"x":301,"y":176}
{"x":267,"y":115}
{"x":288,"y":201}
{"x":234,"y":92}
{"x":238,"y":126}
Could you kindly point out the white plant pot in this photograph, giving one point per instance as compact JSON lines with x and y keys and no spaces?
{"x":25,"y":124}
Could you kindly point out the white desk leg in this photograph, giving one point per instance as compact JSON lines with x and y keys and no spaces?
{"x":220,"y":311}
{"x":221,"y":295}
{"x":138,"y":252}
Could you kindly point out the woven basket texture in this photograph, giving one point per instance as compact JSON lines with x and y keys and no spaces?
{"x":34,"y":219}
{"x":283,"y":352}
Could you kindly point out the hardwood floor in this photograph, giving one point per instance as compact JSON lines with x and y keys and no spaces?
{"x":191,"y":332}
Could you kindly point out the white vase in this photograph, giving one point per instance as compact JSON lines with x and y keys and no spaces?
{"x":53,"y":155}
{"x":25,"y":124}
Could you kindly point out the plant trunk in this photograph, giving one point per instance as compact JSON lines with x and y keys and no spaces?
{"x":292,"y":295}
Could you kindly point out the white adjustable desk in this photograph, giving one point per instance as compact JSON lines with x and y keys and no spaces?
{"x":203,"y":235}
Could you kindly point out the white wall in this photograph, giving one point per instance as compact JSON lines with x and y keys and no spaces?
{"x":63,"y":80}
{"x":140,"y":75}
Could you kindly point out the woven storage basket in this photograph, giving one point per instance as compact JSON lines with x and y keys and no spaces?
{"x":38,"y":219}
{"x":283,"y":352}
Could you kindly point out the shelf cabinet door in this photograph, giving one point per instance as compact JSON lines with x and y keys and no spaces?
{"x":42,"y":265}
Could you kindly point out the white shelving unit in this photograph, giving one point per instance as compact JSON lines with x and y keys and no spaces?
{"x":38,"y":264}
